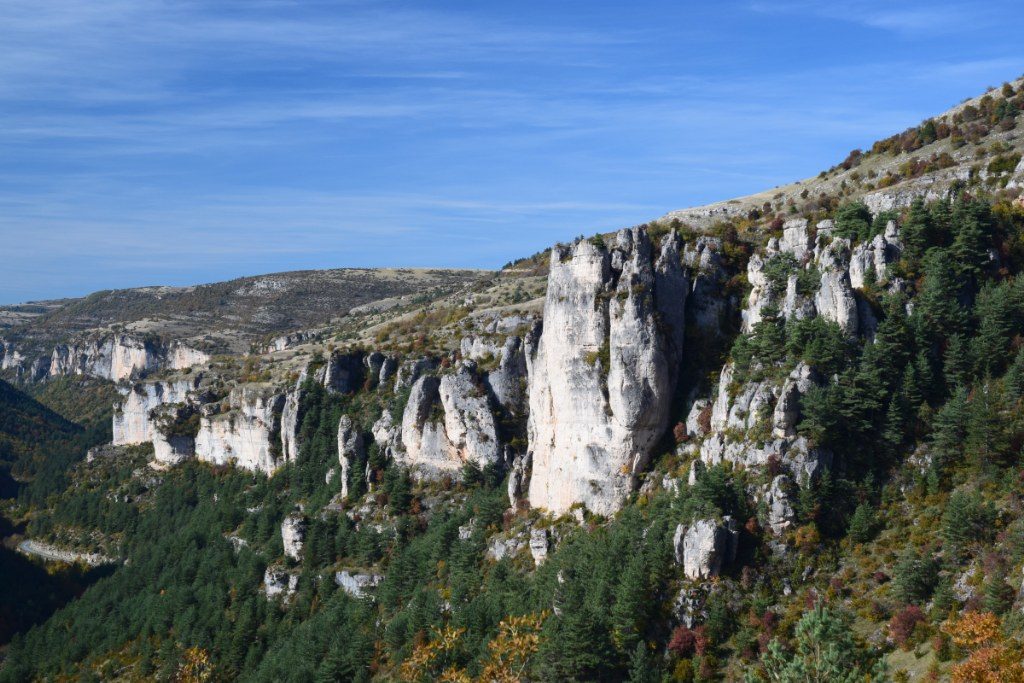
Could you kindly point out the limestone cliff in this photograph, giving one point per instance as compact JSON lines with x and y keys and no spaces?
{"x":604,"y":368}
{"x":244,"y":433}
{"x":448,"y":422}
{"x":132,"y":422}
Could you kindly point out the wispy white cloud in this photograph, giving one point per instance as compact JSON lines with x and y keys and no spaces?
{"x":912,"y":19}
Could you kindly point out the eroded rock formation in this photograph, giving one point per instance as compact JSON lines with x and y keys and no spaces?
{"x":604,"y":368}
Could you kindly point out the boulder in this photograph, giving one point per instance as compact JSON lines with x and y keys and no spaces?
{"x":705,"y":547}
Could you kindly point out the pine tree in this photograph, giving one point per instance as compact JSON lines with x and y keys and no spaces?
{"x":895,"y":425}
{"x":632,"y":604}
{"x":914,"y":577}
{"x":998,"y":595}
{"x":963,"y":521}
{"x":926,"y":378}
{"x":949,"y":431}
{"x":823,"y":650}
{"x":643,"y":667}
{"x":940,"y":224}
{"x":972,"y":226}
{"x":990,"y":427}
{"x":957,"y":363}
{"x":916,"y":232}
{"x":938,"y":302}
{"x":1015,"y":377}
{"x":998,"y":312}
{"x":862,"y":523}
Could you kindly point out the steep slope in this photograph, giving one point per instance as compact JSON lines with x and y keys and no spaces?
{"x":975,"y":143}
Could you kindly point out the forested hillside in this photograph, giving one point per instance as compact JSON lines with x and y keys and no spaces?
{"x":773,"y":445}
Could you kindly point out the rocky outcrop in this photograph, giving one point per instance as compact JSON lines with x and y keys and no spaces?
{"x":705,"y":547}
{"x":279,"y":582}
{"x":830,"y":262}
{"x":245,"y":432}
{"x":180,"y":356}
{"x":293,"y":535}
{"x":508,"y":381}
{"x":357,"y":584}
{"x":706,"y":308}
{"x":291,"y":421}
{"x":115,"y":358}
{"x":387,"y":435}
{"x":796,"y":239}
{"x":447,"y":423}
{"x":173,"y":435}
{"x":380,"y":368}
{"x":518,"y":478}
{"x":132,"y":421}
{"x":778,"y":504}
{"x":351,"y":449}
{"x":871,"y":260}
{"x":540,"y":544}
{"x":343,"y":373}
{"x":121,"y":356}
{"x":412,"y":369}
{"x":767,"y":410}
{"x":604,"y":368}
{"x":835,"y":300}
{"x":787,"y":409}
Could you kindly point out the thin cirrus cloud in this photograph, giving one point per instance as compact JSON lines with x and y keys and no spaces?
{"x":151,"y":142}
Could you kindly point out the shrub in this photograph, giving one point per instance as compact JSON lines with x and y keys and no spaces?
{"x":903,"y":623}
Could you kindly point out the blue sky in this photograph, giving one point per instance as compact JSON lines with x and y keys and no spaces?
{"x":175,"y":142}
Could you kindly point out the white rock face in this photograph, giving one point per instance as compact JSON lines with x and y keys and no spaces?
{"x":291,"y":420}
{"x":706,"y":307}
{"x":121,"y":356}
{"x":278,"y":582}
{"x":540,"y":544}
{"x":787,"y":410}
{"x":796,"y":240}
{"x":591,"y":427}
{"x":835,"y":300}
{"x":508,"y":382}
{"x":518,"y":478}
{"x":132,"y":422}
{"x":447,"y":423}
{"x":876,"y":255}
{"x":350,"y":449}
{"x":171,"y":443}
{"x":411,"y":370}
{"x":705,"y":547}
{"x":243,"y":435}
{"x":780,"y":510}
{"x":357,"y":584}
{"x":181,"y":356}
{"x":468,"y":419}
{"x":293,"y":536}
{"x":387,"y":435}
{"x":115,"y":358}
